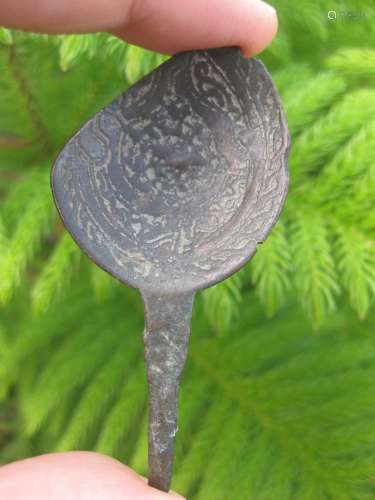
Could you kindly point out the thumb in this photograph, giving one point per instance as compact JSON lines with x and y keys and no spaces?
{"x":72,"y":476}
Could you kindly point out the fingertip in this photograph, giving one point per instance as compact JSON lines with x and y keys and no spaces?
{"x":175,"y":495}
{"x":263,"y":23}
{"x":199,"y":24}
{"x":84,"y":475}
{"x":160,"y":494}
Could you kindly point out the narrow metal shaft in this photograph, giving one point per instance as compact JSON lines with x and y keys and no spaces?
{"x":166,"y":338}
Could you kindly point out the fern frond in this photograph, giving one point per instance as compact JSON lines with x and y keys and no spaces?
{"x":307,"y":18}
{"x":125,"y":413}
{"x":6,"y":36}
{"x":5,"y":349}
{"x":199,"y":453}
{"x":20,"y":115}
{"x":133,"y":68}
{"x":352,"y":161}
{"x":355,"y":63}
{"x":160,"y":59}
{"x":36,"y":336}
{"x":97,"y":396}
{"x":56,"y":273}
{"x":75,"y":362}
{"x":284,"y":404}
{"x":347,"y":183}
{"x":356,"y":263}
{"x":113,"y":45}
{"x":285,"y":78}
{"x":37,"y":64}
{"x":217,"y":472}
{"x":267,"y":474}
{"x":315,"y":274}
{"x":117,"y":50}
{"x":74,"y":46}
{"x":360,"y":194}
{"x":25,"y":241}
{"x":270,"y":269}
{"x":139,"y":459}
{"x":194,"y":401}
{"x":38,"y":403}
{"x":132,"y":61}
{"x":221,"y":303}
{"x":138,"y":63}
{"x":319,"y":142}
{"x":305,"y":105}
{"x":280,"y":50}
{"x":3,"y":239}
{"x":245,"y":353}
{"x":103,"y":283}
{"x":20,"y":194}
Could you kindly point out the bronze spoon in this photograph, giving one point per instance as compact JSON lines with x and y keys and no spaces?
{"x":170,"y":188}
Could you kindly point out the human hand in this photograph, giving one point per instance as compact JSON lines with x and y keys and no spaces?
{"x":166,"y":26}
{"x":74,"y":476}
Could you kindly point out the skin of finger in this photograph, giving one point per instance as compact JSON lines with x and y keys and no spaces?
{"x":166,"y":26}
{"x":199,"y":24}
{"x":75,"y":476}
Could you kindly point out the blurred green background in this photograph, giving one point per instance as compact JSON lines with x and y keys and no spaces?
{"x":278,"y":397}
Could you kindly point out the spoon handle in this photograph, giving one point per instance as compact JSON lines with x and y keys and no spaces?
{"x":166,"y":337}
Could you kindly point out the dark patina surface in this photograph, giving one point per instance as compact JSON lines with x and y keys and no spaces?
{"x":170,"y":188}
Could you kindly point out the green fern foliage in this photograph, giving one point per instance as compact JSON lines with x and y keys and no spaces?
{"x":6,"y":36}
{"x":73,"y":47}
{"x":271,"y":270}
{"x":56,"y":273}
{"x":221,"y":303}
{"x":281,"y":403}
{"x":3,"y":238}
{"x":122,"y":419}
{"x":277,"y":401}
{"x":315,"y":272}
{"x":306,"y":104}
{"x":353,"y":63}
{"x":102,"y":283}
{"x":103,"y":388}
{"x":356,"y":257}
{"x":331,"y":131}
{"x":25,"y":240}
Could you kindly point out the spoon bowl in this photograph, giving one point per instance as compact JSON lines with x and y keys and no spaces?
{"x":171,"y":187}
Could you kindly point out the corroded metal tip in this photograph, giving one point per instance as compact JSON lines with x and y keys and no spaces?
{"x":166,"y":337}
